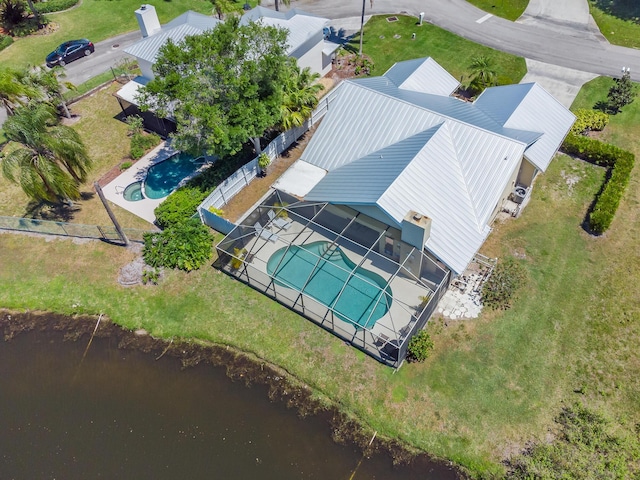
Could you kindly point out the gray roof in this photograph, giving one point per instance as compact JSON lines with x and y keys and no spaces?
{"x":403,"y":156}
{"x":422,"y":75}
{"x":529,"y":106}
{"x":300,"y":25}
{"x":189,"y":23}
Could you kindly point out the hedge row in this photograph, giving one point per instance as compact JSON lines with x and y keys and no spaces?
{"x":5,"y":41}
{"x":619,"y":161}
{"x":51,"y":6}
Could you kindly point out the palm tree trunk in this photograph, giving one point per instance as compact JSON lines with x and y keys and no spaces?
{"x":34,"y":11}
{"x":67,"y":113}
{"x":277,"y":5}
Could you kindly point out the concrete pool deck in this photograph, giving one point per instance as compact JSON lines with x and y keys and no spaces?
{"x":114,"y":190}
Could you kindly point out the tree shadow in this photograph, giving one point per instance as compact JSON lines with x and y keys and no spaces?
{"x":55,"y":212}
{"x":623,"y":9}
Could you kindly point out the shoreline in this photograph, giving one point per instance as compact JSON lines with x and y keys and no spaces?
{"x":240,"y":366}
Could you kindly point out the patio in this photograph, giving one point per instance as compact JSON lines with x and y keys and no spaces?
{"x":398,"y":301}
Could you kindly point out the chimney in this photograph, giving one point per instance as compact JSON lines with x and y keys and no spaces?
{"x":148,"y":20}
{"x":416,"y":229}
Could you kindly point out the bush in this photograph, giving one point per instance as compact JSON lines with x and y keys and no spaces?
{"x":263,"y":160}
{"x":125,"y":165}
{"x":28,"y":26}
{"x":503,"y":284}
{"x":186,"y":246}
{"x":5,"y":41}
{"x":12,"y":13}
{"x":179,"y":207}
{"x":587,"y":446}
{"x":51,"y":6}
{"x":621,"y":164}
{"x":135,"y":124}
{"x":140,"y":143}
{"x":420,"y":347}
{"x":588,"y":120}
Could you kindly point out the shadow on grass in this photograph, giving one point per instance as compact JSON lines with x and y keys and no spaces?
{"x":622,"y":9}
{"x":55,"y":212}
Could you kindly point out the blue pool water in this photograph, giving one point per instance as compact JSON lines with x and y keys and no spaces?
{"x":359,"y":301}
{"x":133,"y":193}
{"x":164,"y":177}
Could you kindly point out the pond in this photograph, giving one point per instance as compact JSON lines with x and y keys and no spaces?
{"x":119,"y":413}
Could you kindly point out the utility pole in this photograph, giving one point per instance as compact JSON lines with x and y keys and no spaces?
{"x":362,"y":26}
{"x":123,"y":237}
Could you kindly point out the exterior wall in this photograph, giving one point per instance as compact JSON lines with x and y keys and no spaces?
{"x":526,"y":174}
{"x":309,"y":54}
{"x":507,"y":190}
{"x":146,"y":68}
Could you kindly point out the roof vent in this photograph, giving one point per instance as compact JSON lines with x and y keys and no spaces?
{"x":143,"y":7}
{"x":417,"y":217}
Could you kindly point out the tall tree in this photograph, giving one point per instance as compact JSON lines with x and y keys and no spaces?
{"x":284,"y":2}
{"x":483,"y":72}
{"x":300,"y":96}
{"x":223,"y":87}
{"x":48,"y":82}
{"x":621,"y":93}
{"x":15,"y":89}
{"x":50,"y":160}
{"x":224,"y":7}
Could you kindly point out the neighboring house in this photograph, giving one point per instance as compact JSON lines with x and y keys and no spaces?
{"x":400,"y":142}
{"x":306,"y":42}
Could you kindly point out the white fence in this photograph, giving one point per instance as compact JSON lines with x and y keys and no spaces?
{"x":244,"y":175}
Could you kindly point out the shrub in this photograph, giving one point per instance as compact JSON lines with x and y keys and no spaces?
{"x":238,"y":255}
{"x":150,"y":276}
{"x":179,"y":207}
{"x":588,"y":120}
{"x":621,"y":164}
{"x":503,"y":284}
{"x":263,"y":160}
{"x":12,"y":13}
{"x":140,"y":143}
{"x":51,"y":6}
{"x":587,"y":446}
{"x":125,"y":165}
{"x":28,"y":26}
{"x":216,"y":211}
{"x":420,"y":347}
{"x":135,"y":124}
{"x":5,"y":41}
{"x":621,"y":93}
{"x":185,"y":246}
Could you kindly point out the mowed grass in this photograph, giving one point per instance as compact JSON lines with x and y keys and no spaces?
{"x":491,"y":385}
{"x":509,"y":9}
{"x":619,"y":22}
{"x":454,"y":53}
{"x":107,"y":144}
{"x":96,"y":20}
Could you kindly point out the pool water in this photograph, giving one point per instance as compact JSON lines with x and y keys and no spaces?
{"x":133,"y":193}
{"x":366,"y":296}
{"x":165,"y":176}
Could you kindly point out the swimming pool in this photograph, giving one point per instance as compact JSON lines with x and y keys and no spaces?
{"x":366,"y":296}
{"x":165,"y":176}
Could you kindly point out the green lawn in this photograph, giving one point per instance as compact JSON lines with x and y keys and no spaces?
{"x":509,"y":9}
{"x":454,"y":53}
{"x":618,"y":21}
{"x":491,"y":385}
{"x":115,"y":17}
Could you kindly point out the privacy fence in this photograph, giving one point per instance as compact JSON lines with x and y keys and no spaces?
{"x":243,"y":176}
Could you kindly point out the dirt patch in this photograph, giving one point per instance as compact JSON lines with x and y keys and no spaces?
{"x":239,"y":366}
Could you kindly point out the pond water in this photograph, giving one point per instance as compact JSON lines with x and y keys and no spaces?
{"x":124,"y":414}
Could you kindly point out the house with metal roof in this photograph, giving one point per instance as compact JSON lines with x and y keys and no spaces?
{"x":306,"y":39}
{"x":400,"y":142}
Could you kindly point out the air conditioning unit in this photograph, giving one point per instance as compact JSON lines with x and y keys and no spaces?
{"x":519,"y":194}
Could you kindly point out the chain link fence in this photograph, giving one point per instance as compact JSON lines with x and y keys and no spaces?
{"x":78,"y":230}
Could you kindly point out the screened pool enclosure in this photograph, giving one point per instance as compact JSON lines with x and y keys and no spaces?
{"x":345,"y":271}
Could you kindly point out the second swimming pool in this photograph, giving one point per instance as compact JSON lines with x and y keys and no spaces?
{"x":165,"y":176}
{"x":366,"y":296}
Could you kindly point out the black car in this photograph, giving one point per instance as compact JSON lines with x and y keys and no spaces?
{"x":69,"y":51}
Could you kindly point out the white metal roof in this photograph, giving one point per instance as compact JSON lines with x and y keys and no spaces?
{"x":129,"y":91}
{"x":385,"y":151}
{"x":301,"y":25}
{"x":530,"y":107}
{"x":299,"y":179}
{"x":422,"y":75}
{"x":189,"y":23}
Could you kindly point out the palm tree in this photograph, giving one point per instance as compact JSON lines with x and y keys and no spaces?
{"x":284,"y":2}
{"x":15,"y":90}
{"x":300,"y":96}
{"x":483,"y":71}
{"x":48,"y":81}
{"x":51,"y":161}
{"x":223,"y":7}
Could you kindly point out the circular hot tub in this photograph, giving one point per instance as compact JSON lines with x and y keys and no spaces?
{"x":133,"y":192}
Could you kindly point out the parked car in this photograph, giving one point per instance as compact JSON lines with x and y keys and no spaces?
{"x":70,"y":51}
